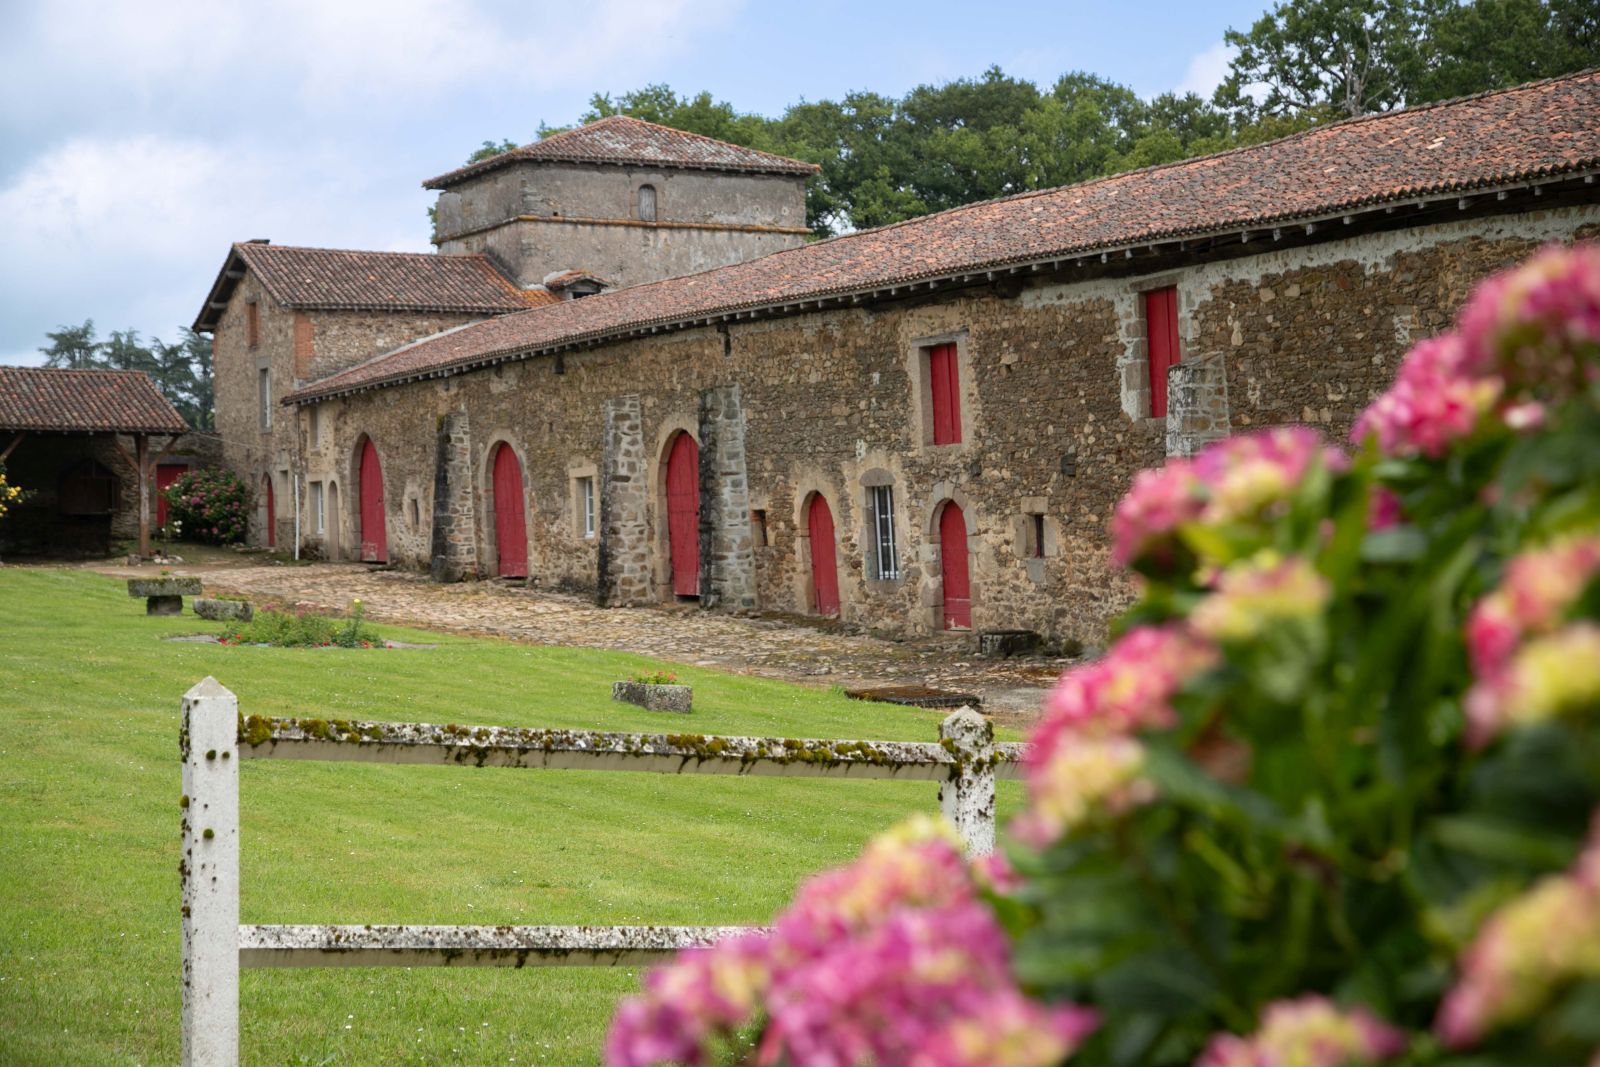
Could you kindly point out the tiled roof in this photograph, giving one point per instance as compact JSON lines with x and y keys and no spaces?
{"x":327,"y":279}
{"x":624,"y":140}
{"x":40,"y":399}
{"x":1491,"y":141}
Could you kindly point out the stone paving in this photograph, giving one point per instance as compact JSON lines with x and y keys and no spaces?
{"x":787,"y":647}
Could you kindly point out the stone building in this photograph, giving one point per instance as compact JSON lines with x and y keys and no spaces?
{"x":927,"y":425}
{"x":75,"y":441}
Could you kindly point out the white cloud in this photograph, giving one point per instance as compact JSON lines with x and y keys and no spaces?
{"x":1206,"y":71}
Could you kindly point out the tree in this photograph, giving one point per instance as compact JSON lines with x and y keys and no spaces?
{"x":1493,"y":43}
{"x":182,"y":371}
{"x":72,"y":347}
{"x":489,"y":149}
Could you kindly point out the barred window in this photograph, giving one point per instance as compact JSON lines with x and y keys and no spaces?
{"x":885,"y":556}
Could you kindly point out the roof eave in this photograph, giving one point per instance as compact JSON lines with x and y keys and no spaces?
{"x":1161,"y":242}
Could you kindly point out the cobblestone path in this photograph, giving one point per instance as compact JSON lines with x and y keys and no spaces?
{"x":791,"y":648}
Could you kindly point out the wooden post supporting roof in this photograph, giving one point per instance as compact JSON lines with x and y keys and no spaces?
{"x":141,"y":449}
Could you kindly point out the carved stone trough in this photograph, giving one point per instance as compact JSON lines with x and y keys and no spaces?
{"x":164,"y":595}
{"x":654,"y":697}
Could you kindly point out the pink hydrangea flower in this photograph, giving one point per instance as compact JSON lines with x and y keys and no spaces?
{"x":1129,"y":688}
{"x":1310,"y":1031}
{"x":1252,"y":596}
{"x":1237,"y":479}
{"x":1432,"y":404}
{"x":1073,"y":778}
{"x":1526,"y":667}
{"x":1526,"y":951}
{"x":891,"y":960}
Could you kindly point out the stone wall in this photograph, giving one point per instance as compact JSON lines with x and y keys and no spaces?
{"x":537,"y":218}
{"x":295,"y":346}
{"x":1055,"y":417}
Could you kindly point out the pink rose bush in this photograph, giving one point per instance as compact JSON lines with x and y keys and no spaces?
{"x":1325,"y":800}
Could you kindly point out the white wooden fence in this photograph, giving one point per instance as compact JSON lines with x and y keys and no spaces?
{"x":214,"y":737}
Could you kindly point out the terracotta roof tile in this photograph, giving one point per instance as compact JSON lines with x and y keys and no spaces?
{"x":1496,"y":139}
{"x":330,"y":279}
{"x":624,"y":140}
{"x":42,"y":399}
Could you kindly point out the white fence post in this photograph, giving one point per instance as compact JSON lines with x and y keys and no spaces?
{"x":967,"y":799}
{"x":210,"y":870}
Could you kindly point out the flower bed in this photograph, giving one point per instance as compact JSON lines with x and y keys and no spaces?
{"x":304,"y":629}
{"x":1329,"y":798}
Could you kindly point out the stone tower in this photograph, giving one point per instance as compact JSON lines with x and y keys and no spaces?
{"x":623,"y":200}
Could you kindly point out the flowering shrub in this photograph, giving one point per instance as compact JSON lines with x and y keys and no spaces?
{"x":212,"y":506}
{"x":304,"y":629}
{"x":10,"y":495}
{"x":1331,"y":797}
{"x":655,"y":678}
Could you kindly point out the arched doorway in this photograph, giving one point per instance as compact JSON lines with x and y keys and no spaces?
{"x":824,"y":565}
{"x":510,"y":519}
{"x":373,"y":533}
{"x":272,"y":510}
{"x":953,"y":568}
{"x":683,"y":514}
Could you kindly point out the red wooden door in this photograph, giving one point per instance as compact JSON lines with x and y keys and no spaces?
{"x":374,"y":535}
{"x":683,"y":514}
{"x":166,"y":474}
{"x":272,"y":514}
{"x":824,"y":567}
{"x":953,"y":563}
{"x":1161,"y":326}
{"x":510,"y":522}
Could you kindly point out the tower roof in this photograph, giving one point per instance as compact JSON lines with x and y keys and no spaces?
{"x":621,"y":140}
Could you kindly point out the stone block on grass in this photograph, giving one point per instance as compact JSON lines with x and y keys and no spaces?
{"x":224,"y":610}
{"x":676,"y":698}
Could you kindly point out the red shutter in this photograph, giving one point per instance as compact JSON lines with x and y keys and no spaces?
{"x":1161,"y":327}
{"x":953,"y":566}
{"x":683,"y":515}
{"x":374,"y":533}
{"x":510,"y":522}
{"x":945,"y":382}
{"x":824,"y":564}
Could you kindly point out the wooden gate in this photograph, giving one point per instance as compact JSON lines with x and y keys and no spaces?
{"x":824,"y":567}
{"x":683,"y":514}
{"x":272,"y":512}
{"x":953,"y":567}
{"x":374,"y":535}
{"x":510,"y":521}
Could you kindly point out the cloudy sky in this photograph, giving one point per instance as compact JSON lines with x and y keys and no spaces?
{"x":139,"y":137}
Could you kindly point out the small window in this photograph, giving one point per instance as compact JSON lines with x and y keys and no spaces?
{"x":252,"y":324}
{"x":885,"y":555}
{"x":314,"y":425}
{"x":1036,"y":536}
{"x":758,"y":528}
{"x":416,"y":512}
{"x":1161,"y":340}
{"x":647,"y":203}
{"x":264,"y":390}
{"x":944,"y":387}
{"x":319,"y":516}
{"x":586,"y":515}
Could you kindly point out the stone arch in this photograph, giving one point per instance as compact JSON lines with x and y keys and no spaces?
{"x":488,"y":549}
{"x":352,"y":474}
{"x":945,"y":577}
{"x":806,"y":491}
{"x":670,"y":430}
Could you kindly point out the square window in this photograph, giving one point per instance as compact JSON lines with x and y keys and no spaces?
{"x":758,"y":528}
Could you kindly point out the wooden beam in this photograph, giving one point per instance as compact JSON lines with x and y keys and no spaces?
{"x":15,"y":441}
{"x":141,"y":446}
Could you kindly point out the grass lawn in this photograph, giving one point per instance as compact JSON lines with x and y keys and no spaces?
{"x":89,"y":787}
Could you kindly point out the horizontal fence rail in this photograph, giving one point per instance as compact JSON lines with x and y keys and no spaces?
{"x":214,"y":737}
{"x":262,"y":737}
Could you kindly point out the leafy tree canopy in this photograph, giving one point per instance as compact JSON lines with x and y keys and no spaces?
{"x":182,"y":371}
